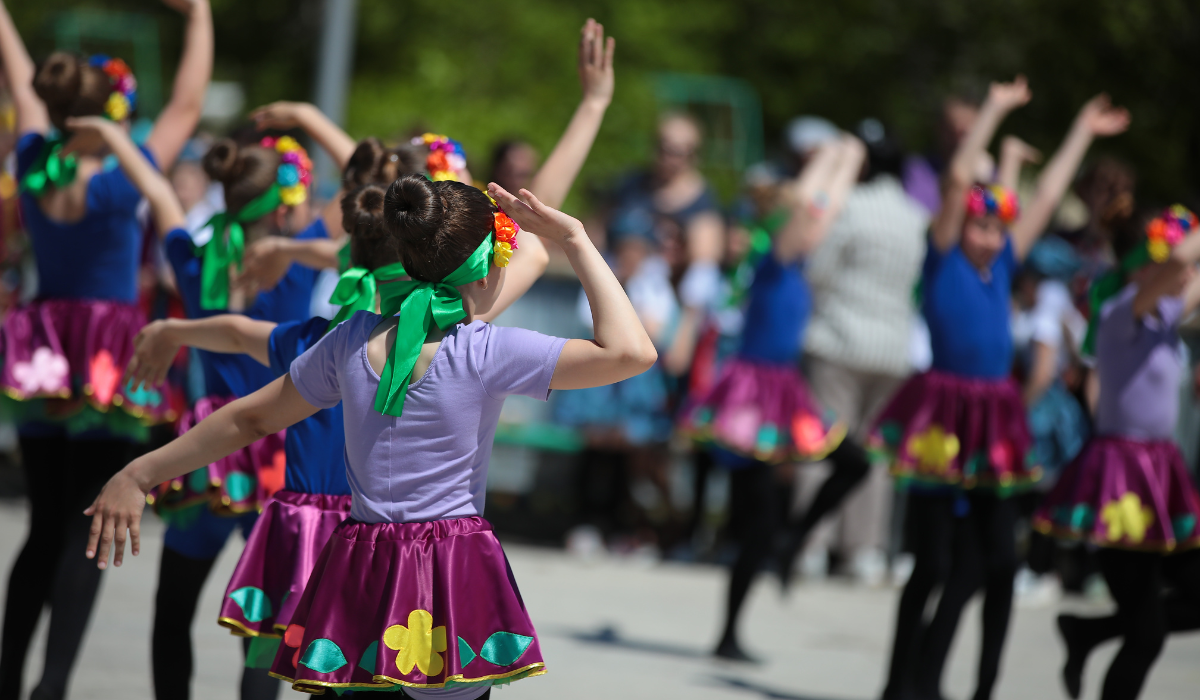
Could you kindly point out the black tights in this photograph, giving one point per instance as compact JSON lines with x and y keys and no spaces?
{"x":984,"y":554}
{"x":63,"y":477}
{"x":754,"y":512}
{"x":180,"y":581}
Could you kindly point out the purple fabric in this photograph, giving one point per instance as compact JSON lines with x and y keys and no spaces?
{"x":420,"y":604}
{"x":1127,"y":494}
{"x":280,"y":554}
{"x":235,"y":484}
{"x":944,"y":429}
{"x":1140,"y":365}
{"x":922,"y":183}
{"x":763,"y":411}
{"x":62,"y":348}
{"x":431,"y":462}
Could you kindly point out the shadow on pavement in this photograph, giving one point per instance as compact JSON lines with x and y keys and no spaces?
{"x":609,"y":636}
{"x":762,"y":690}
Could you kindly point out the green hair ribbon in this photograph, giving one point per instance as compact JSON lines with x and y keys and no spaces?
{"x":356,"y":290}
{"x":221,"y":251}
{"x":50,"y":168}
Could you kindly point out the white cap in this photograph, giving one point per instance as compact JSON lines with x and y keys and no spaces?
{"x":806,"y":133}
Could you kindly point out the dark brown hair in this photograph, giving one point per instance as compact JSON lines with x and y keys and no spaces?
{"x":244,"y":171}
{"x":71,"y":87}
{"x":437,"y":224}
{"x":371,"y":244}
{"x":374,"y":163}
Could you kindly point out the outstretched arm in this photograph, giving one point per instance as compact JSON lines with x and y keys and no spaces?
{"x":158,"y":342}
{"x":178,"y":119}
{"x":621,"y":348}
{"x":164,"y":204}
{"x":818,"y":196}
{"x":1002,"y":99}
{"x":118,"y":509}
{"x":19,"y":70}
{"x":290,"y":115}
{"x":1015,"y":153}
{"x":268,"y":259}
{"x":1097,"y":118}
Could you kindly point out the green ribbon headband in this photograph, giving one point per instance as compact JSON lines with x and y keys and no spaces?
{"x":221,"y":251}
{"x":50,"y":168}
{"x":421,"y":305}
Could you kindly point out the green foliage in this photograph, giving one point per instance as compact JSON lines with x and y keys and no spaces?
{"x":483,"y":73}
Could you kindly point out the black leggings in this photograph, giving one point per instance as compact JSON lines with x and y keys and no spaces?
{"x":984,"y":554}
{"x":180,"y":581}
{"x":754,"y":512}
{"x":63,"y":477}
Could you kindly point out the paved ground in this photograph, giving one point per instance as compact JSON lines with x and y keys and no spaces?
{"x":625,"y":629}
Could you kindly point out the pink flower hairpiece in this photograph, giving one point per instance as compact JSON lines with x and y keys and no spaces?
{"x":295,"y":169}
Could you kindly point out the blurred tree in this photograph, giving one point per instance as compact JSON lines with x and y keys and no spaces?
{"x":482,"y":75}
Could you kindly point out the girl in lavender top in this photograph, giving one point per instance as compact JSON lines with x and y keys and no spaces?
{"x":1129,"y":491}
{"x":413,"y":589}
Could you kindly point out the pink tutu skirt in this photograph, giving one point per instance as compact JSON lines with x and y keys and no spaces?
{"x":763,"y":411}
{"x":423,"y":605}
{"x":279,"y":556}
{"x":943,"y":429}
{"x":239,"y":483}
{"x":76,"y":350}
{"x":1126,"y":494}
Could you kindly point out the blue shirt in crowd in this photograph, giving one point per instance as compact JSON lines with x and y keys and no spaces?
{"x":778,"y":310}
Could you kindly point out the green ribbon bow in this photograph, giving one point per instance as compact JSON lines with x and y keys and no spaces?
{"x":356,"y":289}
{"x":1106,"y":287}
{"x":50,"y":168}
{"x":420,"y":306}
{"x":220,"y":252}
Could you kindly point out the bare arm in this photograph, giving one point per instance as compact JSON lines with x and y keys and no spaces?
{"x":268,"y":259}
{"x":818,"y":197}
{"x":178,"y":119}
{"x":155,"y":346}
{"x":621,"y":348}
{"x":290,"y":115}
{"x":1014,"y":153}
{"x":1177,"y":276}
{"x":168,"y":212}
{"x":18,"y":71}
{"x":118,"y":508}
{"x":1002,"y":99}
{"x":1097,"y":118}
{"x":1041,"y":372}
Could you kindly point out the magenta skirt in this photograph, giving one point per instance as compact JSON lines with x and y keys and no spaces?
{"x":77,"y":349}
{"x":943,"y":429}
{"x":763,"y":411}
{"x":424,"y":605}
{"x":239,"y":483}
{"x":279,"y":556}
{"x":1126,"y":494}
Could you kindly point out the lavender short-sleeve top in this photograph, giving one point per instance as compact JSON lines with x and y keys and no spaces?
{"x":431,"y":462}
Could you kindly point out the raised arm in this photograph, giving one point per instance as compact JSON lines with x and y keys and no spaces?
{"x":158,"y":342}
{"x":1002,"y":99}
{"x":164,"y":204}
{"x":118,"y":508}
{"x":179,"y":118}
{"x":1177,"y":276}
{"x":320,"y":128}
{"x":818,"y":196}
{"x":621,"y":348}
{"x":1015,"y":153}
{"x":18,"y":70}
{"x":1097,"y":118}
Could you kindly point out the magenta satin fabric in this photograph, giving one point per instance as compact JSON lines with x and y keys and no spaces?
{"x":763,"y":411}
{"x":373,"y":577}
{"x":986,"y":416}
{"x":92,"y":340}
{"x":239,"y":483}
{"x":1123,"y":493}
{"x":279,"y":556}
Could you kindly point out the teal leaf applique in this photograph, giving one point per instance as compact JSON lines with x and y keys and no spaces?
{"x":367,"y":662}
{"x":504,"y":648}
{"x":239,"y":486}
{"x":323,"y":656}
{"x":198,"y":480}
{"x":465,"y":653}
{"x":255,"y":604}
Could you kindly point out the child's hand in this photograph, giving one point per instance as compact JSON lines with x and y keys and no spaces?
{"x":596,"y":63}
{"x":265,"y":263}
{"x":1009,"y":96}
{"x":1013,"y":148}
{"x":98,"y":125}
{"x":1103,"y":119}
{"x":279,"y":115}
{"x":117,"y":510}
{"x":154,"y":351}
{"x":535,"y":217}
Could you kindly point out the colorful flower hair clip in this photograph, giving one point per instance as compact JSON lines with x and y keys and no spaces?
{"x":993,"y":200}
{"x":506,"y":235}
{"x":123,"y":98}
{"x":1167,"y":230}
{"x":295,"y":169}
{"x":446,"y":156}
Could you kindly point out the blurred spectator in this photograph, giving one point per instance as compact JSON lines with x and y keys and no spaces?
{"x":923,"y":174}
{"x":856,"y":347}
{"x":514,"y":163}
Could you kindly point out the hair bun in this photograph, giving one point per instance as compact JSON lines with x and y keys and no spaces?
{"x":58,"y":80}
{"x":363,"y":163}
{"x":222,"y":162}
{"x":412,"y":209}
{"x":362,"y":212}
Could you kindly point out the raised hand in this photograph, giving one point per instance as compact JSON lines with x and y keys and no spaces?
{"x":154,"y":351}
{"x":1009,"y":96}
{"x":101,"y":126}
{"x":596,"y":62}
{"x":1017,"y":150}
{"x":535,"y":217}
{"x":1103,"y":119}
{"x":279,"y":115}
{"x":116,"y":512}
{"x":265,"y":263}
